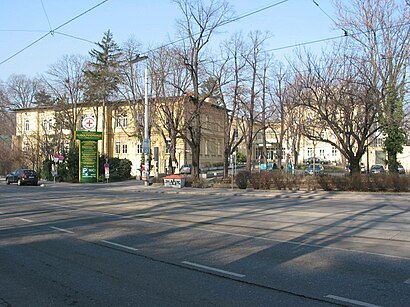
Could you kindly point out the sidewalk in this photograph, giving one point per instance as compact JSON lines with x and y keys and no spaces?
{"x":138,"y":186}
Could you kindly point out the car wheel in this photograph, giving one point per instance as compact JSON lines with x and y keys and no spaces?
{"x":7,"y":181}
{"x":19,"y":182}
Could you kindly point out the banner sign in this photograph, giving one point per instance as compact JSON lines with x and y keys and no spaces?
{"x":88,"y":135}
{"x":88,"y":161}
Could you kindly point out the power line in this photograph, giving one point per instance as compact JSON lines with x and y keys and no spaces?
{"x":330,"y":17}
{"x":223,"y":23}
{"x":75,"y":37}
{"x":52,"y":31}
{"x":45,"y":13}
{"x":23,"y":30}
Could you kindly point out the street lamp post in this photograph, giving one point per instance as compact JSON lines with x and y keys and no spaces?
{"x":146,"y":144}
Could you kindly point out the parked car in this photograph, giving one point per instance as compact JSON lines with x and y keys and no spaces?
{"x":186,"y":169}
{"x":22,"y":176}
{"x":400,"y":169}
{"x":318,"y":169}
{"x":377,"y":169}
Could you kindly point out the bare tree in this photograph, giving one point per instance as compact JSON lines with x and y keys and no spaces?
{"x":227,"y":86}
{"x":198,"y":24}
{"x":252,"y":95}
{"x":339,"y":102}
{"x":168,"y":78}
{"x":8,"y":154}
{"x":21,"y":91}
{"x":380,"y":33}
{"x":64,"y":83}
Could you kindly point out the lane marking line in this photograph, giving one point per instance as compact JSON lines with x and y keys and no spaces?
{"x":348,"y":300}
{"x":212,"y":269}
{"x":150,"y":220}
{"x":119,"y":245}
{"x":407,"y":281}
{"x":24,"y":220}
{"x":61,"y":229}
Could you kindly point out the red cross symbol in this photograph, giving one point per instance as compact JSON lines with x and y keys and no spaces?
{"x":89,"y":123}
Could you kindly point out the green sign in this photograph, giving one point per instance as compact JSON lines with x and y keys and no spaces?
{"x":88,"y":135}
{"x":88,"y":161}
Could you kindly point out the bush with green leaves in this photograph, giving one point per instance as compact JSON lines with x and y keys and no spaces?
{"x":120,"y":169}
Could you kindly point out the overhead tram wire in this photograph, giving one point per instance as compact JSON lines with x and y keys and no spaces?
{"x":330,"y":17}
{"x":75,"y":37}
{"x":45,"y":13}
{"x":51,"y":32}
{"x":222,"y":24}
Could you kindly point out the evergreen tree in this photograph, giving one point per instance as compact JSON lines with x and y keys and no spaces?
{"x":102,"y":76}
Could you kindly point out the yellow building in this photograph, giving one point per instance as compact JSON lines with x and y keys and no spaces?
{"x":44,"y":130}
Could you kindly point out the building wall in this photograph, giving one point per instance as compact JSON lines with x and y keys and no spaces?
{"x":120,"y":138}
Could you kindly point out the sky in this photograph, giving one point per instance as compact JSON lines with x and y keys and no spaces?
{"x":150,"y":22}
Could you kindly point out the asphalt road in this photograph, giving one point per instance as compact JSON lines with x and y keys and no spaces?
{"x":122,"y":244}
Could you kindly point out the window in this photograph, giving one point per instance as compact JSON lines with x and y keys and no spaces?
{"x":139,"y":148}
{"x":124,"y":120}
{"x":45,"y":122}
{"x":121,"y":121}
{"x":168,"y":147}
{"x":117,"y":147}
{"x":321,"y":152}
{"x":379,"y":141}
{"x":206,"y":147}
{"x":124,"y":148}
{"x":334,"y":151}
{"x":26,"y":147}
{"x":27,"y":125}
{"x":310,"y":152}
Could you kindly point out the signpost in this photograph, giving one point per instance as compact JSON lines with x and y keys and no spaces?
{"x":57,"y":158}
{"x":88,"y":168}
{"x":106,"y":170}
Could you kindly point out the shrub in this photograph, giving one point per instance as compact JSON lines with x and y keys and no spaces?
{"x":241,"y":179}
{"x":278,"y":180}
{"x":120,"y":169}
{"x":261,"y":180}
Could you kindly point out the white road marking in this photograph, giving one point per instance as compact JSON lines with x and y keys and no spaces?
{"x":150,"y":220}
{"x":24,"y":220}
{"x":61,"y":229}
{"x":212,"y":269}
{"x":407,"y":281}
{"x":119,"y":245}
{"x":348,"y":300}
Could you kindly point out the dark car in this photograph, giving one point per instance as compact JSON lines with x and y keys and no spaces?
{"x":377,"y":169}
{"x":22,"y":176}
{"x":318,"y":169}
{"x":400,"y":169}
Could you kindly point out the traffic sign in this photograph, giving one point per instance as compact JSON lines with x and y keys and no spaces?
{"x":146,"y":146}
